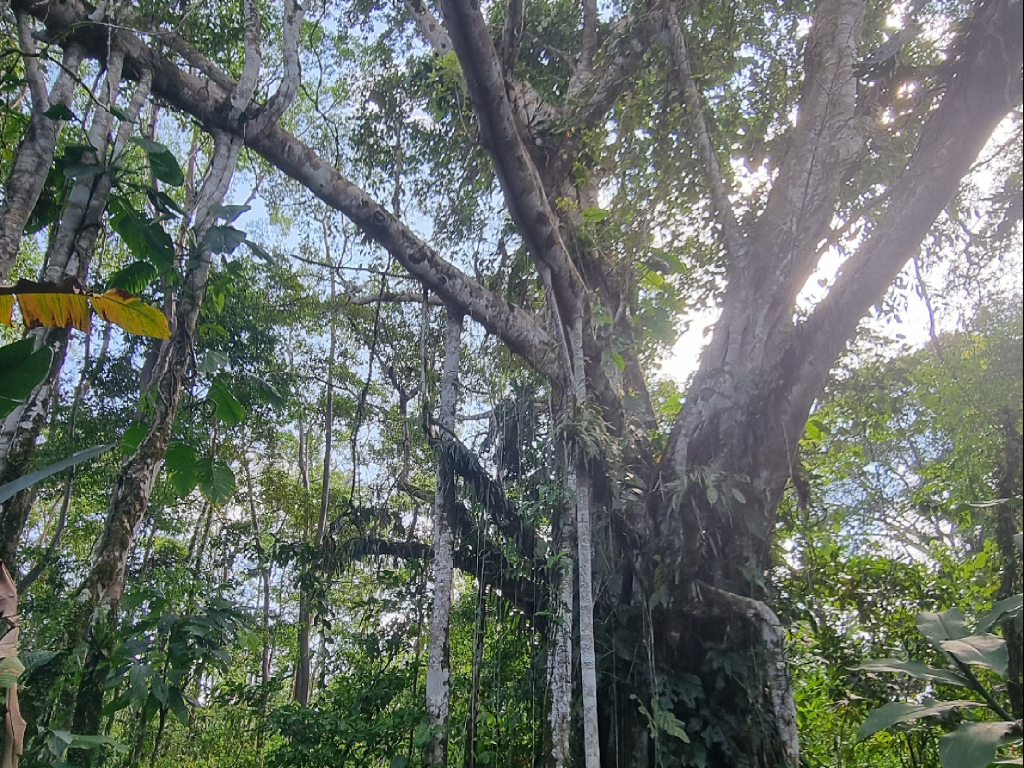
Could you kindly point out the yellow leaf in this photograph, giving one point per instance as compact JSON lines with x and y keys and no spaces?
{"x":7,"y":309}
{"x":131,"y":313}
{"x":55,"y":310}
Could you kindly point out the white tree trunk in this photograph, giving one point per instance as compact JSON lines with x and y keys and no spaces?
{"x":588,"y":657}
{"x":438,"y":667}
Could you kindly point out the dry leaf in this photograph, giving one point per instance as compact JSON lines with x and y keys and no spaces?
{"x":14,"y":723}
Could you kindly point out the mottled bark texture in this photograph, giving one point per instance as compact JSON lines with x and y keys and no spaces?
{"x":69,"y":255}
{"x":435,"y":753}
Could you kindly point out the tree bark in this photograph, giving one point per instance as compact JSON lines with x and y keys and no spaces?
{"x":435,"y":753}
{"x":69,"y":255}
{"x":35,"y":154}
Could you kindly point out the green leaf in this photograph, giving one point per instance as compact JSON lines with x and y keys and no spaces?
{"x":901,"y":712}
{"x":134,"y":278}
{"x":80,"y":741}
{"x":212,"y":361}
{"x":399,"y":761}
{"x":228,"y":410}
{"x":594,"y":215}
{"x":161,"y":161}
{"x":59,"y":111}
{"x":149,"y":146}
{"x":670,"y":724}
{"x":35,"y":659}
{"x":145,"y":239}
{"x":258,"y":251}
{"x":132,"y":437}
{"x":939,"y":627}
{"x":181,"y":462}
{"x":973,"y":745}
{"x":216,"y":481}
{"x":982,"y":650}
{"x":25,"y":481}
{"x":267,"y":393}
{"x":177,"y":705}
{"x":916,"y":669}
{"x":223,"y":239}
{"x":21,"y":371}
{"x":619,"y":360}
{"x":228,"y":212}
{"x":1010,"y":605}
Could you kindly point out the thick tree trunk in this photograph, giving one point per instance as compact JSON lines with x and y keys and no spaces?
{"x":1008,"y":524}
{"x":435,"y":752}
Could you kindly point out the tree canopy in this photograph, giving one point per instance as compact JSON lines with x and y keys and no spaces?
{"x":372,"y":455}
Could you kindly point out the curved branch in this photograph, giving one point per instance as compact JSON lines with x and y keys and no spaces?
{"x":986,"y":84}
{"x":289,"y":86}
{"x":208,"y":103}
{"x":731,"y":234}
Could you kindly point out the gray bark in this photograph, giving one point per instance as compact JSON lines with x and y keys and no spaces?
{"x":435,"y":753}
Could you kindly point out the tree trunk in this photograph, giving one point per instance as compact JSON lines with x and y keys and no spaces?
{"x":35,"y":154}
{"x":1007,"y":525}
{"x":473,"y":715}
{"x":303,"y":682}
{"x":69,"y":255}
{"x":104,"y":584}
{"x":435,"y":752}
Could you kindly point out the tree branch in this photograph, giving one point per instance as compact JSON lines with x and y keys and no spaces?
{"x":207,"y":102}
{"x":289,"y":86}
{"x":493,"y":568}
{"x":731,"y":234}
{"x":521,"y":184}
{"x":431,"y":29}
{"x":511,"y":37}
{"x":985,"y":85}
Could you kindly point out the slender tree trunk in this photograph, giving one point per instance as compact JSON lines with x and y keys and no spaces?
{"x":303,"y":680}
{"x":1008,"y":523}
{"x":438,"y":663}
{"x":588,"y":657}
{"x":473,"y":716}
{"x":104,"y":583}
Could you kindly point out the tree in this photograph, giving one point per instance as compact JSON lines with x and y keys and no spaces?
{"x":612,"y":181}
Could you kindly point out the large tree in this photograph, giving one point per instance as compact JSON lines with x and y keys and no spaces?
{"x":638,"y":149}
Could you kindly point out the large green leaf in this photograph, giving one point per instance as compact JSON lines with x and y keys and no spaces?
{"x":917,"y":669}
{"x":161,"y":161}
{"x":939,"y":627}
{"x":223,"y":239}
{"x":216,"y":481}
{"x":9,"y":489}
{"x":982,"y":650}
{"x":974,"y":745}
{"x":21,"y":371}
{"x":181,"y":462}
{"x":229,"y":410}
{"x":134,"y":278}
{"x":1009,"y":606}
{"x":901,"y":712}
